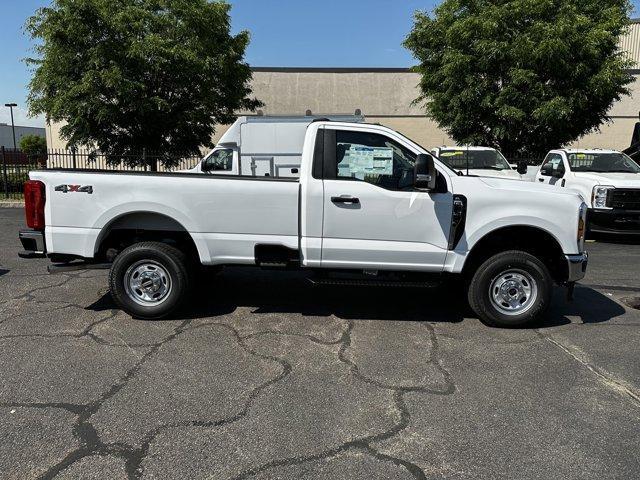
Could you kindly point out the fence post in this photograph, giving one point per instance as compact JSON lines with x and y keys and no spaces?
{"x":4,"y":174}
{"x":73,"y":157}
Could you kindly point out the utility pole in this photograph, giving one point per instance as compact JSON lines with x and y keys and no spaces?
{"x":13,"y":127}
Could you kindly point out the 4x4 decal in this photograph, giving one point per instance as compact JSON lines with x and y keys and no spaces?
{"x":75,"y":188}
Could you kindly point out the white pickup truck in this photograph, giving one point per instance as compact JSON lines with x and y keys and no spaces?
{"x":607,"y":179}
{"x":369,"y":205}
{"x":480,"y":161}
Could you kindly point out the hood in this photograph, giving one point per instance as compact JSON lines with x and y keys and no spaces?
{"x":621,"y":180}
{"x":509,"y":184}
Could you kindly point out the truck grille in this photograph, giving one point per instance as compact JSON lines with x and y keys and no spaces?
{"x":626,"y":198}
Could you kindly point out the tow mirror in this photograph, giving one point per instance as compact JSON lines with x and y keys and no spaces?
{"x":425,"y":172}
{"x":522,"y":167}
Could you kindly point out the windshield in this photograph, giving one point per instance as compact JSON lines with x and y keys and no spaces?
{"x":475,"y":159}
{"x":602,"y":163}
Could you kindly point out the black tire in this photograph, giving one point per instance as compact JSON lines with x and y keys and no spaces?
{"x":502,"y":266}
{"x":173,"y":265}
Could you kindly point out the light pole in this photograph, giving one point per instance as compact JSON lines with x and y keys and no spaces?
{"x":13,"y":127}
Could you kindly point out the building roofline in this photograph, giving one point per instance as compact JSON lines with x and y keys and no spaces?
{"x":632,"y":71}
{"x":332,"y":69}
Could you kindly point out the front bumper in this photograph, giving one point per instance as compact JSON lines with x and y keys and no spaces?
{"x":616,"y":221}
{"x":577,"y":267}
{"x":33,"y":243}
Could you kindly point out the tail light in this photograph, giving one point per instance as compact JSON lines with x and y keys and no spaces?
{"x":34,"y":198}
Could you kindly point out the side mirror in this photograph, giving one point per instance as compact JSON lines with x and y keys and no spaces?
{"x":425,"y":172}
{"x":206,"y":166}
{"x":547,"y":170}
{"x":522,"y":167}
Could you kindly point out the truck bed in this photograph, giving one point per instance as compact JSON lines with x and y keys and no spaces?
{"x":226,"y":216}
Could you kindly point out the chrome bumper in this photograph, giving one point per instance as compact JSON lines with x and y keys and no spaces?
{"x":33,"y":243}
{"x":577,"y":267}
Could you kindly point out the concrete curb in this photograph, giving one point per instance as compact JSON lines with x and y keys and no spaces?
{"x":11,"y":204}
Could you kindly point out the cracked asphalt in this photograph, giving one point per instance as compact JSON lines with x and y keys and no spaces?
{"x":266,"y":377}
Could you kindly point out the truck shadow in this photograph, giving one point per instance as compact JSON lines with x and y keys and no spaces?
{"x":267,"y":292}
{"x":3,"y":271}
{"x":588,"y":306}
{"x":617,"y":239}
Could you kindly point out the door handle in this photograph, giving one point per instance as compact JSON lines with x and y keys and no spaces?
{"x":541,"y":179}
{"x":346,"y":199}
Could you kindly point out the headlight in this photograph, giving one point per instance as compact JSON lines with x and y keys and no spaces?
{"x":600,"y":195}
{"x":582,"y":226}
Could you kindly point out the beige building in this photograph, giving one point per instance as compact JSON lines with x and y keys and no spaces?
{"x":386,"y":95}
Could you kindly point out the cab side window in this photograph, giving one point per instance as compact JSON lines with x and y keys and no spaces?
{"x":220,"y":160}
{"x":553,"y":166}
{"x":375,"y":159}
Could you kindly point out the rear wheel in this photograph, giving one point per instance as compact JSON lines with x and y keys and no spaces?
{"x":511,"y":289}
{"x":149,"y":280}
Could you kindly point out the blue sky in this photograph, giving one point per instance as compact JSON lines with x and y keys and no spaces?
{"x":329,"y":33}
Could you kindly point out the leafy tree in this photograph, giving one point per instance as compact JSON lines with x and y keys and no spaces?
{"x":128,"y":76}
{"x":33,"y":145}
{"x":524,"y":76}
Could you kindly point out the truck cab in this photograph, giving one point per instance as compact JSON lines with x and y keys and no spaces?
{"x":608,"y":180}
{"x":480,"y":161}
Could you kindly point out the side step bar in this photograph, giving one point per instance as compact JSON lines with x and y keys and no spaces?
{"x":371,"y":283}
{"x":75,"y":266}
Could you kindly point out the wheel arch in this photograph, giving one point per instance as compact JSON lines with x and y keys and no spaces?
{"x":531,"y":239}
{"x":143,"y":225}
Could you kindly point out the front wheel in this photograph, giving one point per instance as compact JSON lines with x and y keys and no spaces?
{"x":511,"y":289}
{"x":149,"y":280}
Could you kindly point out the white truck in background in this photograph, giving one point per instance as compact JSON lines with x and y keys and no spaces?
{"x":480,"y":161}
{"x":369,"y":205}
{"x":608,"y":180}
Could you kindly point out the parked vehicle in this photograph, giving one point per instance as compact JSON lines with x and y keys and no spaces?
{"x":370,"y":206}
{"x":260,"y":146}
{"x":480,"y":161}
{"x":608,"y":180}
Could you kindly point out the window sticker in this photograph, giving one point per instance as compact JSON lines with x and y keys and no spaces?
{"x":451,"y":154}
{"x":361,"y":160}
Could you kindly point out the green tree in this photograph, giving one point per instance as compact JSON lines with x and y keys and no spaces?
{"x":524,"y":76}
{"x":128,"y":76}
{"x":33,"y":145}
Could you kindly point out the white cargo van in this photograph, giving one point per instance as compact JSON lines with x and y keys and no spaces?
{"x":264,"y":146}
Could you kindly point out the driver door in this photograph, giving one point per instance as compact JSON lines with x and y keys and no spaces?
{"x":222,"y":161}
{"x":373,"y":217}
{"x":552,"y":171}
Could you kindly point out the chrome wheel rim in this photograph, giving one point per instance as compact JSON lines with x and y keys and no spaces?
{"x":147,"y":283}
{"x":513,"y":292}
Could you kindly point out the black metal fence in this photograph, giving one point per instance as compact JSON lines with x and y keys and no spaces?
{"x":15,"y":165}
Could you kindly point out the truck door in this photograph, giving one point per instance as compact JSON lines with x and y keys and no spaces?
{"x":552,"y":171}
{"x":373,"y":217}
{"x":222,"y":161}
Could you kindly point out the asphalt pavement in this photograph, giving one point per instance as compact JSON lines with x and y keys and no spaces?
{"x":264,"y":376}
